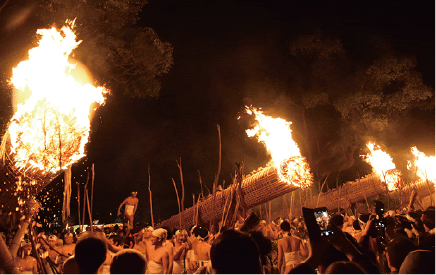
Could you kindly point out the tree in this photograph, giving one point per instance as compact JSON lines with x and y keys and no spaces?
{"x":121,"y":55}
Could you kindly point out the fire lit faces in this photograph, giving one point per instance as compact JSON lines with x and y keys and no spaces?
{"x":27,"y":248}
{"x":181,"y":238}
{"x":68,"y":239}
{"x":154,"y":240}
{"x":147,"y":233}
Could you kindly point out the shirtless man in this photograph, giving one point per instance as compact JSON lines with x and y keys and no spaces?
{"x":139,"y":242}
{"x":68,"y":247}
{"x":146,"y":239}
{"x":289,"y":248}
{"x":181,"y":246}
{"x":53,"y":253}
{"x":203,"y":249}
{"x":168,"y":244}
{"x":26,"y":263}
{"x":158,"y":262}
{"x":131,"y":203}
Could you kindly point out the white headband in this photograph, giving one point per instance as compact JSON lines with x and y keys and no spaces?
{"x":160,"y":233}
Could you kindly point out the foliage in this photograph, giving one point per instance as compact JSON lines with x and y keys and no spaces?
{"x":121,"y":55}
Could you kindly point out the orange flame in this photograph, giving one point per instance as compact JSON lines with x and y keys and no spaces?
{"x":425,"y":166}
{"x":276,"y":135}
{"x":383,"y":166}
{"x":50,"y":129}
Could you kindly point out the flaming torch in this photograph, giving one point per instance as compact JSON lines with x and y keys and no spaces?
{"x":286,"y":172}
{"x":383,"y":166}
{"x":424,"y":170}
{"x":50,"y":129}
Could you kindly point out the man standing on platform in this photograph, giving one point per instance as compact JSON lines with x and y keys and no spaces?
{"x":131,"y":203}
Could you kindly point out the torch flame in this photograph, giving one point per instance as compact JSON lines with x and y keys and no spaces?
{"x":424,"y":165}
{"x":50,"y":129}
{"x":383,"y":166}
{"x":276,"y":135}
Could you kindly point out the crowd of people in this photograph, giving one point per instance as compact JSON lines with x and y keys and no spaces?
{"x":400,"y":241}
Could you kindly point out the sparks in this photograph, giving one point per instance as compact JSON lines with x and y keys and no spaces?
{"x":50,"y":129}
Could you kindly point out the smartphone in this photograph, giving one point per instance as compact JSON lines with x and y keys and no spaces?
{"x":312,"y":227}
{"x":323,"y":220}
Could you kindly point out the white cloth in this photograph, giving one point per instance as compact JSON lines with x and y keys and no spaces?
{"x":178,"y":267}
{"x":292,"y":258}
{"x":154,"y":268}
{"x":207,"y":264}
{"x":129,"y":209}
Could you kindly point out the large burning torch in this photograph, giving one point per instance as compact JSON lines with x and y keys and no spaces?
{"x":50,"y":127}
{"x":286,"y":172}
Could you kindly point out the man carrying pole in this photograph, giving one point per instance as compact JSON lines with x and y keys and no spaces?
{"x":131,"y":203}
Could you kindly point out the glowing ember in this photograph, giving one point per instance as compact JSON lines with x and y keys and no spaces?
{"x":425,"y":166}
{"x":50,"y":129}
{"x":276,"y":135}
{"x":383,"y":166}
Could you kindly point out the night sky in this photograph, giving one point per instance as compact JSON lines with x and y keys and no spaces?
{"x":228,"y":54}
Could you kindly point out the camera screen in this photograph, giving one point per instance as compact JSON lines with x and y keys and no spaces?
{"x":323,"y":221}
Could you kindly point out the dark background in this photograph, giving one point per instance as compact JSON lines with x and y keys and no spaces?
{"x":228,"y":54}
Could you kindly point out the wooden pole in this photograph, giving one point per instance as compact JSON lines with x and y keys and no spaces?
{"x":89,"y":212}
{"x":201,"y":183}
{"x":269,"y":214}
{"x":216,"y":180}
{"x":151,"y":200}
{"x":92,"y":186}
{"x":85,"y":192}
{"x":78,"y":203}
{"x":178,"y":202}
{"x":198,"y":205}
{"x":183,"y":186}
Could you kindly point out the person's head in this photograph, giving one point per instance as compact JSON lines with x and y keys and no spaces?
{"x":263,"y":243}
{"x":181,"y":236}
{"x":428,"y":219}
{"x":158,"y":236}
{"x":68,"y":238}
{"x":147,"y":232}
{"x":59,"y":243}
{"x":338,"y":220}
{"x":90,"y":252}
{"x":26,"y":247}
{"x":285,"y":226}
{"x":330,"y":256}
{"x":235,"y":252}
{"x":52,"y":240}
{"x":70,"y":266}
{"x":128,"y":261}
{"x":344,"y":268}
{"x":419,"y":262}
{"x":203,"y":233}
{"x":133,"y":194}
{"x":397,"y":251}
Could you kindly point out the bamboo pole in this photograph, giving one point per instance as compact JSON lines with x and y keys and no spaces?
{"x":193,"y":205}
{"x":78,"y":203}
{"x":201,"y":183}
{"x":198,"y":205}
{"x":269,"y":214}
{"x":151,"y":200}
{"x":216,"y":180}
{"x":89,"y":212}
{"x":92,"y":186}
{"x":34,"y":251}
{"x":85,"y":191}
{"x":183,"y":186}
{"x":178,"y":202}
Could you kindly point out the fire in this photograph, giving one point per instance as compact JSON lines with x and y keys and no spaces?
{"x":383,"y":166}
{"x":276,"y":135}
{"x":424,"y":165}
{"x":50,"y":129}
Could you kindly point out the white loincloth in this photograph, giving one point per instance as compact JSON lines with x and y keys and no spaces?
{"x":178,"y":267}
{"x":154,"y":268}
{"x":292,"y":258}
{"x":129,"y":209}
